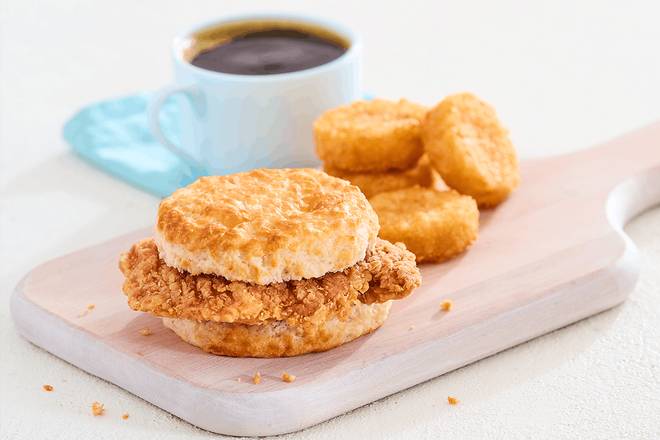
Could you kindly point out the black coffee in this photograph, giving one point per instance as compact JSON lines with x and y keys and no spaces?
{"x":269,"y":52}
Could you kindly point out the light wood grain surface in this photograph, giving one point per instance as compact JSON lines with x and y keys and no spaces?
{"x":552,"y":254}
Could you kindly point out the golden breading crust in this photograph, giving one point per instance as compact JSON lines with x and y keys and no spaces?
{"x":434,"y":225}
{"x":376,"y":135}
{"x":277,"y":338}
{"x":470,"y":149}
{"x":266,"y":225}
{"x":375,"y":183}
{"x":387,"y":272}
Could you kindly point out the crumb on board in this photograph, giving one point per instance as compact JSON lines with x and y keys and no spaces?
{"x":97,"y":408}
{"x":286,"y":377}
{"x":124,"y":416}
{"x":88,"y":309}
{"x":452,"y":400}
{"x":412,"y":327}
{"x":146,"y":331}
{"x":446,"y":305}
{"x":256,"y":379}
{"x":139,"y":353}
{"x":48,"y":388}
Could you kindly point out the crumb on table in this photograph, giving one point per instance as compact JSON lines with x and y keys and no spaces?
{"x":48,"y":388}
{"x":286,"y":377}
{"x":256,"y":379}
{"x":124,"y":416}
{"x":452,"y":400}
{"x":98,"y":409}
{"x":146,"y":331}
{"x":90,"y":306}
{"x":446,"y":305}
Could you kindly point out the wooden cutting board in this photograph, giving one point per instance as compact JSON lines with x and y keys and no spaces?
{"x":552,"y":254}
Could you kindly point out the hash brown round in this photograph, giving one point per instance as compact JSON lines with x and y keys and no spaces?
{"x":434,"y":225}
{"x":377,"y":135}
{"x":470,"y":149}
{"x":382,"y":181}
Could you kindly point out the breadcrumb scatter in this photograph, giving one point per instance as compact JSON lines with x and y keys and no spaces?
{"x":286,"y":377}
{"x":452,"y":400}
{"x":446,"y":305}
{"x":146,"y":331}
{"x":256,"y":379}
{"x":124,"y":416}
{"x":91,"y":306}
{"x":48,"y":388}
{"x":98,"y":409}
{"x":412,"y":327}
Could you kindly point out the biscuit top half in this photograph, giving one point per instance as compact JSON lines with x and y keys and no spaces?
{"x":266,"y":226}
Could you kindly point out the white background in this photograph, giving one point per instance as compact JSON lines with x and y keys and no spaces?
{"x":563,"y":75}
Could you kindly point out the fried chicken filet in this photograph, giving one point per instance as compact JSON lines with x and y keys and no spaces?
{"x":387,"y":272}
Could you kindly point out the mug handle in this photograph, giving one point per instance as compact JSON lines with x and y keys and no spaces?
{"x":155,"y":105}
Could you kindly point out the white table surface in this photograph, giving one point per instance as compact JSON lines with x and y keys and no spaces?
{"x":562,"y":75}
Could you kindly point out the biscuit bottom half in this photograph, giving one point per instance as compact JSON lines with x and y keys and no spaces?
{"x":278,"y":338}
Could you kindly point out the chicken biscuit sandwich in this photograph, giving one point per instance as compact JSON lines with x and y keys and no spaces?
{"x":267,"y":263}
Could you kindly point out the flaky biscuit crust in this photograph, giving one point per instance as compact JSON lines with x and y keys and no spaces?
{"x":266,"y":226}
{"x":434,"y":225}
{"x":470,"y":149}
{"x":387,"y":272}
{"x":377,"y":182}
{"x":376,"y":135}
{"x":278,"y":339}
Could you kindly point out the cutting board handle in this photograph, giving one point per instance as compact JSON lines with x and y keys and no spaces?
{"x":625,"y":171}
{"x":632,"y":162}
{"x":629,"y":155}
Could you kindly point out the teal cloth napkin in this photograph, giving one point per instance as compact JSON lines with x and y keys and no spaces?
{"x":114,"y":136}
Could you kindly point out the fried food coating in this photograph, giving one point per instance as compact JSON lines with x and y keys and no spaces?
{"x":266,"y":225}
{"x":377,"y":182}
{"x":376,"y":135}
{"x":278,"y":338}
{"x":387,"y":272}
{"x":470,"y":149}
{"x":434,"y":225}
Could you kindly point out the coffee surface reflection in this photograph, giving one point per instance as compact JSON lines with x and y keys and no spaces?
{"x":268,"y":52}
